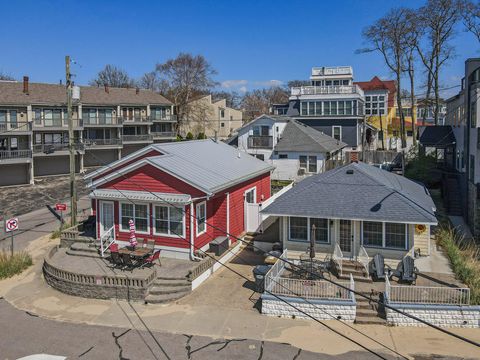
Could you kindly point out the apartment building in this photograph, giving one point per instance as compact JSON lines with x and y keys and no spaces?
{"x":332,"y":104}
{"x":109,"y":123}
{"x":212,"y":118}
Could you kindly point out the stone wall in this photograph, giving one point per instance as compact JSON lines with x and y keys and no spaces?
{"x":473,"y":204}
{"x":440,"y":315}
{"x":320,"y":309}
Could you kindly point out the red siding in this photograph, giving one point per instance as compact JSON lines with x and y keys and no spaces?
{"x":131,"y":161}
{"x":149,"y":178}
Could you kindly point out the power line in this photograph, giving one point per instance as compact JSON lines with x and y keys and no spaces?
{"x":313,"y":274}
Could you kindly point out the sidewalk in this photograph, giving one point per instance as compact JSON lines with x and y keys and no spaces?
{"x":29,"y":292}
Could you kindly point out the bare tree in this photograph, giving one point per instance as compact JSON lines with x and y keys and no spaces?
{"x":151,"y":81}
{"x":471,"y":17}
{"x":232,"y":98}
{"x":186,"y":75}
{"x":259,"y":101}
{"x":298,"y":83}
{"x":388,"y":35}
{"x":437,"y":19}
{"x":412,"y":38}
{"x":4,"y":76}
{"x":113,"y":77}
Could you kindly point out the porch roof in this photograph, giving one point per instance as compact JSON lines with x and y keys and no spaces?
{"x":437,"y":136}
{"x":111,"y":194}
{"x":359,"y":192}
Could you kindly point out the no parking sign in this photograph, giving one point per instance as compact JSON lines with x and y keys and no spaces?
{"x":11,"y":224}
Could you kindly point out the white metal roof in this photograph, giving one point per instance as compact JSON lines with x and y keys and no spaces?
{"x":112,"y":194}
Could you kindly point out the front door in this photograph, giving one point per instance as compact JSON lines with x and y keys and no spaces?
{"x":345,"y":237}
{"x":106,"y":216}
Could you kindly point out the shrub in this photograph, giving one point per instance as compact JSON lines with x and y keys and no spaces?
{"x":201,"y":136}
{"x":420,"y":168}
{"x":12,"y":265}
{"x":189,"y":136}
{"x":464,"y":257}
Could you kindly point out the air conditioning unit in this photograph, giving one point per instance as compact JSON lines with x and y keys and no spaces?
{"x":301,"y":171}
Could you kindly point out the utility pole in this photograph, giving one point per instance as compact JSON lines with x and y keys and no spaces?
{"x":71,"y":145}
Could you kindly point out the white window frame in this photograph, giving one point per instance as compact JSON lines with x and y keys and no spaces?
{"x":328,"y":242}
{"x":333,"y":131}
{"x":384,"y":242}
{"x":204,"y":203}
{"x":254,"y":194}
{"x":154,"y":219}
{"x":120,"y":227}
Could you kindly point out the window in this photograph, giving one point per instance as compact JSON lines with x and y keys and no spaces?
{"x":222,"y":113}
{"x":299,"y":228}
{"x":38,"y":138}
{"x":326,"y":108}
{"x":473,"y":115}
{"x":283,"y":156}
{"x":341,"y":107}
{"x":372,"y":233}
{"x":13,"y":143}
{"x":251,"y":196}
{"x":302,"y":229}
{"x":386,"y":235}
{"x":37,"y":116}
{"x":201,"y":212}
{"x":304,"y":108}
{"x":337,"y":132}
{"x":311,"y":108}
{"x":333,"y":107}
{"x":309,"y":163}
{"x":13,"y":119}
{"x":262,"y":130}
{"x":222,"y":124}
{"x":136,"y":212}
{"x":395,"y":235}
{"x":169,"y":221}
{"x":259,"y":156}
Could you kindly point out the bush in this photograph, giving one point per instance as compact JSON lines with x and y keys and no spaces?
{"x":420,"y":168}
{"x":189,"y":136}
{"x":464,"y":257}
{"x":56,"y":234}
{"x":12,"y":265}
{"x":201,"y":136}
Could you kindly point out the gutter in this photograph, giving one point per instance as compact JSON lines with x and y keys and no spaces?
{"x":192,"y":254}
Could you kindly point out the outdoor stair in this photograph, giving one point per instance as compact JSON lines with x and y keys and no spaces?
{"x":83,"y":249}
{"x":248,"y":239}
{"x":369,"y":312}
{"x":356,"y":269}
{"x":166,"y":289}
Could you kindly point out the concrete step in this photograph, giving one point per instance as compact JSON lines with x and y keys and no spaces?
{"x":165,"y":277}
{"x":160,"y":290}
{"x":83,"y":247}
{"x":82,"y":253}
{"x":355,"y":278}
{"x":364,"y":313}
{"x":163,"y":298}
{"x":369,"y":320}
{"x":172,"y":283}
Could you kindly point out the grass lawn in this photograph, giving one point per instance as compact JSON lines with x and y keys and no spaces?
{"x":12,"y":265}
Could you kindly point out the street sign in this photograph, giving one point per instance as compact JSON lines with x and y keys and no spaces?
{"x":11,"y":224}
{"x":60,"y":207}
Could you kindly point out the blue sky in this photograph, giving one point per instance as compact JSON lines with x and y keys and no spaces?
{"x":249,"y":43}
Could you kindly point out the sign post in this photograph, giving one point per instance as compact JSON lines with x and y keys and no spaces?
{"x":10,"y":226}
{"x":61,"y":208}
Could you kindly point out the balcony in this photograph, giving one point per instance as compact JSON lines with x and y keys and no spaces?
{"x":165,"y":118}
{"x":141,"y":120}
{"x":102,"y":143}
{"x":15,"y":156}
{"x":132,"y":139}
{"x":102,"y":121}
{"x":55,"y":124}
{"x":329,"y":71}
{"x":56,"y":149}
{"x":260,"y":142}
{"x":164,"y":134}
{"x":16,"y":127}
{"x":327,"y":90}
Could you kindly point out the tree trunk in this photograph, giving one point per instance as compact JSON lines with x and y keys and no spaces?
{"x":381,"y":130}
{"x":399,"y":106}
{"x":427,"y":97}
{"x":412,"y":97}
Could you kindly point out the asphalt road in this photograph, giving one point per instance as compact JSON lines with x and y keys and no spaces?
{"x":35,"y":224}
{"x":25,"y":334}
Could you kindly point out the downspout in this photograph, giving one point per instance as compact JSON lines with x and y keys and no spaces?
{"x":228,"y":218}
{"x":192,"y":254}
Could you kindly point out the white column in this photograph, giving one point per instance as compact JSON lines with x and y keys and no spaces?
{"x":228,"y":218}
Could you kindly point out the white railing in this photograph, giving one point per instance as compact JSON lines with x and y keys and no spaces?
{"x":387,"y":288}
{"x":326,"y":90}
{"x":338,"y":257}
{"x":276,"y":270}
{"x":311,"y":289}
{"x":364,"y":259}
{"x":431,"y":295}
{"x":109,"y":238}
{"x":335,"y":70}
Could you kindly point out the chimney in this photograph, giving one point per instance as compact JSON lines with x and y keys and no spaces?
{"x":106,"y":89}
{"x":25,"y":85}
{"x":137,"y":90}
{"x":354,"y":156}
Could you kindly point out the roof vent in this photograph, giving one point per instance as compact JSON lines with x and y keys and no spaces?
{"x":350,"y":171}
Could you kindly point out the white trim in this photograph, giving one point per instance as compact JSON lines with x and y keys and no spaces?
{"x":100,"y":208}
{"x":254,"y":188}
{"x":384,"y":242}
{"x":120,"y":229}
{"x":333,"y":131}
{"x":196,"y":218}
{"x":328,"y":242}
{"x":181,"y":208}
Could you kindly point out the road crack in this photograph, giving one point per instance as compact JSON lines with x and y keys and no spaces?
{"x":297,"y":355}
{"x":85,"y":352}
{"x":260,"y":356}
{"x":120,"y":354}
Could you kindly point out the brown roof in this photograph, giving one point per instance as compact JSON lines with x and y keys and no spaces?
{"x":377,"y":84}
{"x":11,"y":93}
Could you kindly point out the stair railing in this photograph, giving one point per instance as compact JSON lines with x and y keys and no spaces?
{"x":337,"y":257}
{"x":109,"y":238}
{"x":352,"y":287}
{"x":364,"y":259}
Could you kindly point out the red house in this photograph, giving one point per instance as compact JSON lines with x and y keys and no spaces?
{"x":181,"y":194}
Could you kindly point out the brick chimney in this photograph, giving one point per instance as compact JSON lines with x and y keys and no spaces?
{"x":354,"y":156}
{"x":107,"y":90}
{"x":25,"y":85}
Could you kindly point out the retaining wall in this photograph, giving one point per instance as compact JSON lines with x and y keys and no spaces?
{"x":320,"y":309}
{"x":440,"y":315}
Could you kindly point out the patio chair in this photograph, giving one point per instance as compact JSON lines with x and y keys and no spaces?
{"x":151,"y":244}
{"x":127,"y":261}
{"x":406,"y":270}
{"x":151,"y":260}
{"x":116,"y":260}
{"x":142,"y":242}
{"x":377,"y":268}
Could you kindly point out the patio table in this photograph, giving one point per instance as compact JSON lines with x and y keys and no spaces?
{"x":141,"y":252}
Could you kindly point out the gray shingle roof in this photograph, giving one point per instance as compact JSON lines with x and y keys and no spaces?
{"x":207,"y":164}
{"x":11,"y":93}
{"x":300,"y":137}
{"x":437,"y":136}
{"x":368,"y":193}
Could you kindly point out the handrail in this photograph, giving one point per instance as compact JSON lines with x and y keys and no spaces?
{"x":432,"y":295}
{"x":364,"y":259}
{"x":274,"y":273}
{"x":352,"y":287}
{"x":109,"y":233}
{"x":337,"y":256}
{"x":387,"y":289}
